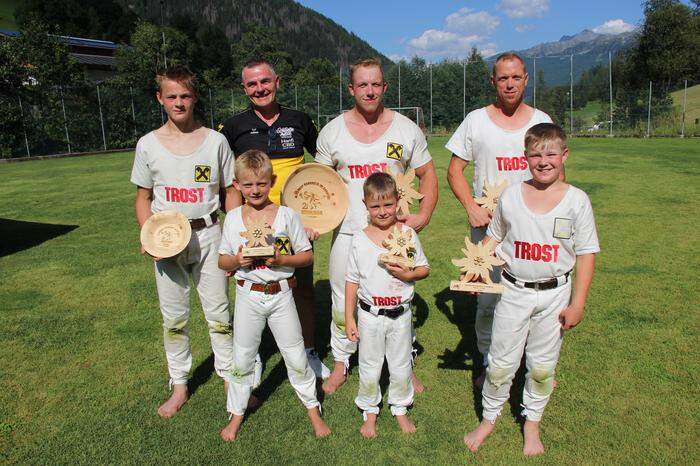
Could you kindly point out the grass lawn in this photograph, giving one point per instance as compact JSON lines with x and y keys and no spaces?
{"x":7,"y":14}
{"x":82,"y":368}
{"x":692,"y":110}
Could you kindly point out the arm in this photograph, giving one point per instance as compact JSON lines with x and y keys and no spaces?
{"x":142,"y":204}
{"x":350,"y":305}
{"x":406,"y":274}
{"x":572,"y":315}
{"x":300,"y":259}
{"x":230,"y":198}
{"x":478,"y":216}
{"x":232,"y":263}
{"x":428,"y":187}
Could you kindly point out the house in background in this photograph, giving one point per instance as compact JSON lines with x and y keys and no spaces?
{"x":96,"y":56}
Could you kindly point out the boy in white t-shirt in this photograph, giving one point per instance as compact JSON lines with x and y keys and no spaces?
{"x":384,"y":293}
{"x":543,"y":228}
{"x":264,"y":291}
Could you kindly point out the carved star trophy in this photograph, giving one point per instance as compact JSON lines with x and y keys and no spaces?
{"x":258,"y":237}
{"x":491,"y":194}
{"x":475,"y":268}
{"x":401,"y":248}
{"x":404,"y":185}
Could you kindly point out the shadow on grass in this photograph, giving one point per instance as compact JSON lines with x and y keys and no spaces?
{"x":18,"y":235}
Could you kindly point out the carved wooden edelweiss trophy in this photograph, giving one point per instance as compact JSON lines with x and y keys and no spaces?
{"x":475,"y":268}
{"x":401,"y":248}
{"x":404,"y":185}
{"x":258,"y":237}
{"x":490,"y":195}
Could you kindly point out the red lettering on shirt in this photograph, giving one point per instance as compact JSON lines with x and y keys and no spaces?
{"x":363,"y":171}
{"x":536,"y":251}
{"x":511,"y":163}
{"x":386,"y":300}
{"x":184,"y":195}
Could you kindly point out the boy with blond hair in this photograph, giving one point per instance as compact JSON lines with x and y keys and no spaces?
{"x":264,"y":291}
{"x":544,"y":230}
{"x":381,"y":295}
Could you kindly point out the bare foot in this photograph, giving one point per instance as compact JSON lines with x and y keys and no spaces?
{"x":369,"y":427}
{"x":476,"y":437}
{"x":175,"y":402}
{"x":407,"y":426}
{"x":418,"y":386}
{"x":336,"y":379}
{"x":533,"y":445}
{"x":229,"y":433}
{"x":321,"y":429}
{"x":480,"y":379}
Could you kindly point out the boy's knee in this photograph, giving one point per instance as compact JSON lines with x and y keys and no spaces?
{"x":174,"y":328}
{"x":497,"y":375}
{"x":542,"y":380}
{"x":339,"y":320}
{"x":224,"y":328}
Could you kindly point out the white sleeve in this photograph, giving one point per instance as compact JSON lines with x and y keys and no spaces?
{"x":497,"y":227}
{"x":419,"y":257}
{"x":297,"y":235}
{"x":227,"y":175}
{"x":585,"y":235}
{"x":228,"y":245}
{"x":420,"y":155}
{"x":352,"y":272}
{"x":460,"y":144}
{"x":323,"y":149}
{"x":140,"y":173}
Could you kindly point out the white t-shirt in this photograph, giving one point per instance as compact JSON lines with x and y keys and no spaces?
{"x":540,"y":247}
{"x":377,"y":286}
{"x":402,"y":145}
{"x":289,"y":236}
{"x":498,"y":154}
{"x":189,"y":184}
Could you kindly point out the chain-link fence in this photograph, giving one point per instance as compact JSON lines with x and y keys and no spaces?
{"x":585,"y":98}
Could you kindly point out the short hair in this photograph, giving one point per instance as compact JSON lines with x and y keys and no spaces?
{"x":257,"y":62}
{"x":180,"y":74}
{"x":545,"y":133}
{"x":366,"y":63}
{"x":380,"y":185}
{"x":507,"y":56}
{"x":255,"y":161}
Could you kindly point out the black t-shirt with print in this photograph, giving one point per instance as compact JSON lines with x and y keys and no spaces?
{"x":286,"y":138}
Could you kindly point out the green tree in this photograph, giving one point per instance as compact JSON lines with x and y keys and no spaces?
{"x":260,"y":43}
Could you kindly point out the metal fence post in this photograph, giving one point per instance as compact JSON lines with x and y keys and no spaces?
{"x":211,"y":110}
{"x":296,"y":98}
{"x":340,"y":88}
{"x":233,"y":106}
{"x":649,"y":112}
{"x":133,"y":111}
{"x":571,"y":94}
{"x":399,"y":83}
{"x":431,"y":97}
{"x":611,"y":95}
{"x":464,"y":89}
{"x":318,"y":105}
{"x":65,"y":120}
{"x":102,"y":123}
{"x":534,"y":87}
{"x":24,"y":129}
{"x":685,"y":95}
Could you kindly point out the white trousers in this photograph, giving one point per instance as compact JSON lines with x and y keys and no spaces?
{"x":199,"y":261}
{"x":341,"y":346}
{"x":528,"y":320}
{"x":485,"y":304}
{"x":382,"y":337}
{"x":253,"y":310}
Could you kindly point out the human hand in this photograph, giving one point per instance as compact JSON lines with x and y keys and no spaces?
{"x":571,"y":316}
{"x":276,"y":260}
{"x":351,"y":330}
{"x":415,"y":221}
{"x":145,"y":253}
{"x":478,"y":216}
{"x":401,"y":272}
{"x":243,"y":262}
{"x":311,"y":234}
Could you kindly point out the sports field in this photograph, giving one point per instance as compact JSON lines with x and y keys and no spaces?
{"x":82,"y":369}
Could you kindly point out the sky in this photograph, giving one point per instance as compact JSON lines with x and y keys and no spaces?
{"x":438,"y":29}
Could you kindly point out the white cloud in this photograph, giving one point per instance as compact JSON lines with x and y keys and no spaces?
{"x":468,"y":21}
{"x":524,"y":8}
{"x":614,"y":26}
{"x":524,"y":27}
{"x":435,"y":43}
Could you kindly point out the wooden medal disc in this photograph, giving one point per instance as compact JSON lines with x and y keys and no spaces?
{"x":319,"y":194}
{"x":166,"y":234}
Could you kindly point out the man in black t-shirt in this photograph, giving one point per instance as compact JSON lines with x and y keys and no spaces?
{"x":283,"y":134}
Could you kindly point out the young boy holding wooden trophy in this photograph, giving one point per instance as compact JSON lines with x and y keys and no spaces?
{"x":264,"y":288}
{"x":384,"y":261}
{"x":543,"y":229}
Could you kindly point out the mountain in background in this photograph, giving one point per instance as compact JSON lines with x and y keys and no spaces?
{"x":305,"y":33}
{"x":588,"y":48}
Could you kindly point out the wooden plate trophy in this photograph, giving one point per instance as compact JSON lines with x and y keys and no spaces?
{"x":259,"y":239}
{"x":166,"y":234}
{"x":404,"y":185}
{"x":475,"y":268}
{"x":401,"y":248}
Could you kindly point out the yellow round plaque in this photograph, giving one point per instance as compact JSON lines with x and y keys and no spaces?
{"x":166,"y":234}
